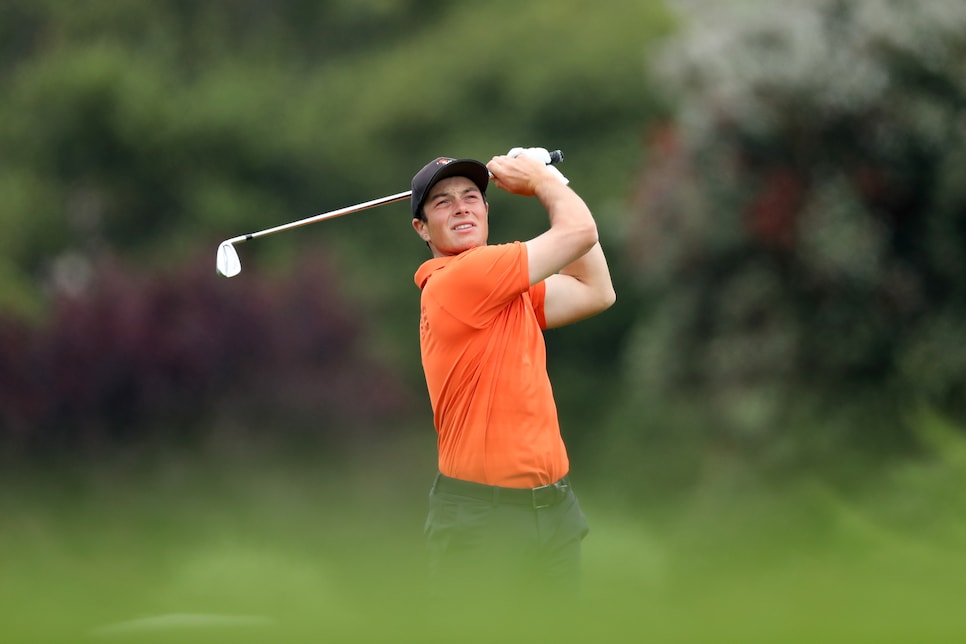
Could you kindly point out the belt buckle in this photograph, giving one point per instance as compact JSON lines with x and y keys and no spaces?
{"x":537,"y":505}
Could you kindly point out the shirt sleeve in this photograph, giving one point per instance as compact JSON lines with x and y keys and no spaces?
{"x":538,"y":296}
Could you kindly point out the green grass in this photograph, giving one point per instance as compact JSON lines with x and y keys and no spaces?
{"x":305,"y":553}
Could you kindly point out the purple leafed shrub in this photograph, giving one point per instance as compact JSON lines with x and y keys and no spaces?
{"x":180,"y":354}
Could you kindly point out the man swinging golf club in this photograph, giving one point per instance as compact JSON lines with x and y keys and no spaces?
{"x":502,"y":503}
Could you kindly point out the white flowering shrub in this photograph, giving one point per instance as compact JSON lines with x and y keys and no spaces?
{"x":800,"y":226}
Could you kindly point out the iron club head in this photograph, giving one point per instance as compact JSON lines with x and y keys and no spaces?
{"x":227,"y":262}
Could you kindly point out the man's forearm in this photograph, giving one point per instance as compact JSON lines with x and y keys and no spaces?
{"x":565,"y":208}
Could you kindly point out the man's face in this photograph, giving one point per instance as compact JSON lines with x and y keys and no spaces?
{"x":456,"y":217}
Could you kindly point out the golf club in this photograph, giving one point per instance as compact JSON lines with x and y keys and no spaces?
{"x":228,"y":264}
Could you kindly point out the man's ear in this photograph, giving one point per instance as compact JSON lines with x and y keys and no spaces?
{"x":420,"y":227}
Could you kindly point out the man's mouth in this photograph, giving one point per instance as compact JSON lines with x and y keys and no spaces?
{"x":463,"y":227}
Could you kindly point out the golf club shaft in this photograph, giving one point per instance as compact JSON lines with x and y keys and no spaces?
{"x":325,"y":215}
{"x":556,"y":156}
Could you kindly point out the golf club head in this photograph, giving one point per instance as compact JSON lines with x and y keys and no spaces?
{"x":227,"y":262}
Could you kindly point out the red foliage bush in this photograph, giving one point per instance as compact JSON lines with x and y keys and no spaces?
{"x":139,"y":356}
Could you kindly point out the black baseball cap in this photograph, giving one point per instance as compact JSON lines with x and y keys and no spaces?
{"x":443,"y":168}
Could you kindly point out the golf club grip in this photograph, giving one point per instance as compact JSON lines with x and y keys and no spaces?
{"x":556,"y":156}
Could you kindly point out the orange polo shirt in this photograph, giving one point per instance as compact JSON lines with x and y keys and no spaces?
{"x":485,"y":362}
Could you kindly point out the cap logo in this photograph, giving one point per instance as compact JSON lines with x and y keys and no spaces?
{"x":443,"y":161}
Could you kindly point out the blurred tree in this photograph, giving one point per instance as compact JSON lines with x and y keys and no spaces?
{"x":799,"y":230}
{"x":145,"y":127}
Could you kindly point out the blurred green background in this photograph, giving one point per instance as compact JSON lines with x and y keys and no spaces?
{"x":766,"y":431}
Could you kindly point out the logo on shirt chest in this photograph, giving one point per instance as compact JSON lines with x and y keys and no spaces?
{"x":423,"y":322}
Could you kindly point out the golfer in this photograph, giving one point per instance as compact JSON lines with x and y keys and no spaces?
{"x":502,"y":502}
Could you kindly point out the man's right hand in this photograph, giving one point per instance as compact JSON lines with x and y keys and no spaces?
{"x":521,"y":175}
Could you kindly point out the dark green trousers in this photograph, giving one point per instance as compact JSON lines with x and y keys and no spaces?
{"x":484,"y":544}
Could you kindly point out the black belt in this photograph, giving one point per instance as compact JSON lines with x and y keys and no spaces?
{"x":544,"y":496}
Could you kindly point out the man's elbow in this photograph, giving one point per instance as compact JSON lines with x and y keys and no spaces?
{"x":608,"y":298}
{"x":604,"y":298}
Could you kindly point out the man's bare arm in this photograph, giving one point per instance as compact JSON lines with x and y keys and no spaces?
{"x":572,"y":229}
{"x":582,"y":289}
{"x":567,"y":255}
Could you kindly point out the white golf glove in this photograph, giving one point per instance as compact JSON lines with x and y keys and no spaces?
{"x":541,"y":155}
